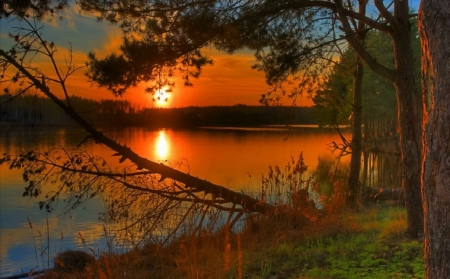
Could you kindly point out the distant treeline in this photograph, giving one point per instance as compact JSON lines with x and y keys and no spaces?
{"x":36,"y":110}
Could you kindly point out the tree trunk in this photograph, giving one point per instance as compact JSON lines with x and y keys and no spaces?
{"x":408,"y":102}
{"x":354,"y":185}
{"x":434,"y":27}
{"x":409,"y":114}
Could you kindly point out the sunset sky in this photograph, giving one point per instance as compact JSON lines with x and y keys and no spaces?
{"x":228,"y":82}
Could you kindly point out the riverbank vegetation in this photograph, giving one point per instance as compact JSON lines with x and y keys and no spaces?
{"x":370,"y":243}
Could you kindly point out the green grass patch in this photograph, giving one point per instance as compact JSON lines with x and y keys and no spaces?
{"x":371,"y":245}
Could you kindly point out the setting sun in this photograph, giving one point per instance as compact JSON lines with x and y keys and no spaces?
{"x":162,"y":97}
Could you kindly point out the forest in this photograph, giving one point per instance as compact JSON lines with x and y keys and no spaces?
{"x":361,"y":69}
{"x":32,"y":110}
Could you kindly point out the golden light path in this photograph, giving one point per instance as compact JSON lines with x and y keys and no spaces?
{"x":162,"y":146}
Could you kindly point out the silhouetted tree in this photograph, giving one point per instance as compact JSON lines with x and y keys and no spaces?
{"x":333,"y":101}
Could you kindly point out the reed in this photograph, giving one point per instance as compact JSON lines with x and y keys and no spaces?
{"x":298,"y":241}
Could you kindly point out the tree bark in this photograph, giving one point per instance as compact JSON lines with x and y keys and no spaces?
{"x":434,"y":28}
{"x":409,"y":115}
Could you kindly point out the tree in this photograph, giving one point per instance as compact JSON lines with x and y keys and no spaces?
{"x":380,"y":103}
{"x":333,"y":102}
{"x":354,"y":186}
{"x":338,"y":102}
{"x":435,"y":39}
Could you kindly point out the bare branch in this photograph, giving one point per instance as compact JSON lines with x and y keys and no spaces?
{"x":384,"y":12}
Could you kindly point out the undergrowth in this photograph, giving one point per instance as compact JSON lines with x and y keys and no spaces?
{"x":370,"y":243}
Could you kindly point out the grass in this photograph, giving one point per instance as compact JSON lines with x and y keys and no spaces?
{"x":368,"y":244}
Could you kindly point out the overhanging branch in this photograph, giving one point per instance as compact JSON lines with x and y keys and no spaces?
{"x":248,"y":203}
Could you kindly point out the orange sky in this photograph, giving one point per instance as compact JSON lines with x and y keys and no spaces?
{"x":229,"y":81}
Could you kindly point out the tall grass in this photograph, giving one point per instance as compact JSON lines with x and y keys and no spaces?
{"x":367,"y":244}
{"x":298,"y":241}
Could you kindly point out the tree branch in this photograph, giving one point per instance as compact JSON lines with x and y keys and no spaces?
{"x":248,"y":203}
{"x":373,"y":64}
{"x":384,"y":12}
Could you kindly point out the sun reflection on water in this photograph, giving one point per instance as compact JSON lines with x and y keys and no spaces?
{"x":162,"y":146}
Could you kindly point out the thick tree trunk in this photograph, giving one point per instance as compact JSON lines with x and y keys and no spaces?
{"x":409,"y":114}
{"x":434,"y":26}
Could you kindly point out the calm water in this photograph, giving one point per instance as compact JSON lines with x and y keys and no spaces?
{"x":235,"y":158}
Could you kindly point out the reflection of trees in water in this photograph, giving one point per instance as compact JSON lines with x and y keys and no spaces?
{"x":383,"y":170}
{"x":380,"y":170}
{"x":330,"y":170}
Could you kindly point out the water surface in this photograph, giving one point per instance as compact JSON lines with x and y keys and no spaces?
{"x":231,"y":157}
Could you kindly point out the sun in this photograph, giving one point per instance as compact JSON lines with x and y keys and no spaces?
{"x":162,"y":97}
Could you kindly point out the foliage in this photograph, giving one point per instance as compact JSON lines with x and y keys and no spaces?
{"x":143,"y":62}
{"x":32,"y":109}
{"x":333,"y":101}
{"x":26,"y":8}
{"x":174,"y":44}
{"x":73,"y":260}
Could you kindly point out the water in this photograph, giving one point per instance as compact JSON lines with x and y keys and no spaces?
{"x":231,"y":157}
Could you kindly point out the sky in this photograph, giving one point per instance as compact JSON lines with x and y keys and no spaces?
{"x":230,"y":81}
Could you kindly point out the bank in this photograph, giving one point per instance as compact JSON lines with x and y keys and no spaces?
{"x":370,"y":243}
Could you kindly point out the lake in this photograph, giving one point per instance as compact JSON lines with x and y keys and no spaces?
{"x":232,"y":157}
